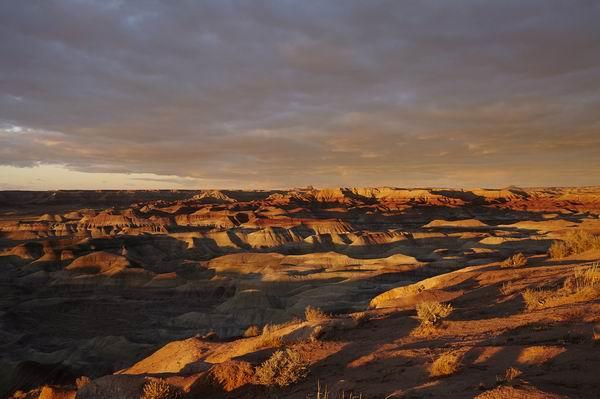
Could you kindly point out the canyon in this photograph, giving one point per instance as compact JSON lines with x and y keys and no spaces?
{"x":120,"y":286}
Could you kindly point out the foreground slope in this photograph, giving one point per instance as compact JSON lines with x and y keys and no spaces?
{"x":384,"y":352}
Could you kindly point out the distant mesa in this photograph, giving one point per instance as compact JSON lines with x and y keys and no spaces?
{"x":213,"y":197}
{"x":466,"y":223}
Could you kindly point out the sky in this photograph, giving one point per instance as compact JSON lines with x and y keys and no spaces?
{"x":280,"y":94}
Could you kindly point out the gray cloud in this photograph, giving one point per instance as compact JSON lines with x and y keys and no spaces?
{"x":289,"y":93}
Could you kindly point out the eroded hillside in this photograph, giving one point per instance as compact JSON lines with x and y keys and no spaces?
{"x":94,"y":283}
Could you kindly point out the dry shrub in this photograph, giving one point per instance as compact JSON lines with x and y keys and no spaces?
{"x":583,"y":285}
{"x":509,"y":375}
{"x":445,"y":365}
{"x":596,"y":334}
{"x":232,"y":374}
{"x":252,"y":331}
{"x":558,"y":250}
{"x":283,"y":368}
{"x":314,"y":314}
{"x":160,"y":389}
{"x":537,"y":299}
{"x":269,"y":338}
{"x":430,"y":312}
{"x":517,"y":260}
{"x":574,"y":242}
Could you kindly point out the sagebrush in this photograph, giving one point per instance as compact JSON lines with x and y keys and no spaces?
{"x":160,"y":389}
{"x":430,"y":312}
{"x":445,"y":365}
{"x":283,"y":368}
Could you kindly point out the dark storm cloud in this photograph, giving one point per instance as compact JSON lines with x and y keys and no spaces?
{"x":293,"y":92}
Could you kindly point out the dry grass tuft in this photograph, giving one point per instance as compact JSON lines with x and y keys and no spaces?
{"x":584,"y":279}
{"x":283,"y":368}
{"x":507,"y":288}
{"x":430,"y":313}
{"x":596,"y":334}
{"x":509,"y":375}
{"x":160,"y":389}
{"x":445,"y":365}
{"x":314,"y":314}
{"x":252,"y":331}
{"x":583,"y":285}
{"x":574,"y":242}
{"x":517,"y":260}
{"x":324,"y":393}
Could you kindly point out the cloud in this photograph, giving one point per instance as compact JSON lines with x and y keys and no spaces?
{"x":277,"y":94}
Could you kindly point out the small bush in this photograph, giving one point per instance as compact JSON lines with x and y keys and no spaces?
{"x":574,"y":242}
{"x":283,"y":368}
{"x":252,"y":331}
{"x":160,"y":389}
{"x":445,"y":365}
{"x":314,"y":314}
{"x":430,"y":313}
{"x":517,"y":260}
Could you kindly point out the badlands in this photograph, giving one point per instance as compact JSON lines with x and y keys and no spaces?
{"x":303,"y":293}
